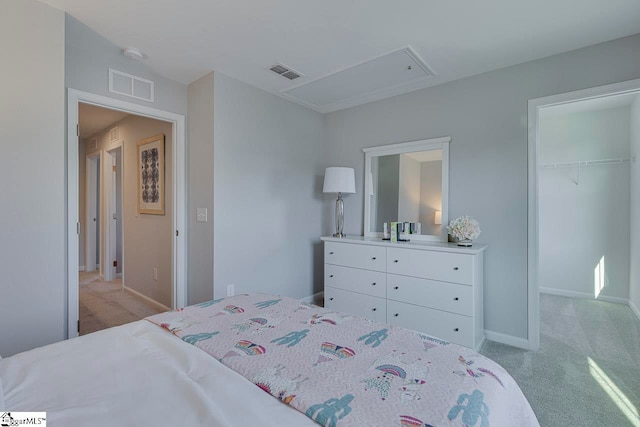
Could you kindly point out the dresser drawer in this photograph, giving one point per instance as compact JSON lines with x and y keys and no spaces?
{"x":354,"y":279}
{"x":367,"y":257}
{"x":430,"y":293}
{"x":451,"y":327}
{"x":444,"y":266}
{"x":366,"y":306}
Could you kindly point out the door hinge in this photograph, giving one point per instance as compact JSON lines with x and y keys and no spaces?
{"x":78,"y":326}
{"x":177,"y":233}
{"x":115,"y":263}
{"x":78,"y":228}
{"x":115,"y":168}
{"x":77,"y":130}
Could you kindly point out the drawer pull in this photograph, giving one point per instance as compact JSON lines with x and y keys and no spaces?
{"x":397,"y":314}
{"x":373,"y":284}
{"x":330,"y":253}
{"x":374,"y":309}
{"x":456,"y":268}
{"x":395,"y":261}
{"x":374,"y":258}
{"x":395,"y":287}
{"x":457,"y":329}
{"x":331,"y":275}
{"x":330,"y":299}
{"x":456,"y":299}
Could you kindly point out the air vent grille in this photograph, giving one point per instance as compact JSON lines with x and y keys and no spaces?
{"x":285,"y":71}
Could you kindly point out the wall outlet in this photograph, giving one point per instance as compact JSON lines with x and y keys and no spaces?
{"x":231,"y":290}
{"x":155,"y":273}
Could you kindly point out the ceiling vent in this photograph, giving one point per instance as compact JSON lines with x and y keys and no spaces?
{"x":285,"y":71}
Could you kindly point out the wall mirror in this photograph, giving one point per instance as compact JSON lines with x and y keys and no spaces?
{"x":408,"y":182}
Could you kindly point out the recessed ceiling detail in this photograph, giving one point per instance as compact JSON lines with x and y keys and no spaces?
{"x":391,"y":74}
{"x":285,"y":71}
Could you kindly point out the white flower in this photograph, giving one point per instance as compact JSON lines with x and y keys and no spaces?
{"x":464,"y":227}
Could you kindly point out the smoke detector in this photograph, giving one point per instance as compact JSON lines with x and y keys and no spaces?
{"x":133,"y":53}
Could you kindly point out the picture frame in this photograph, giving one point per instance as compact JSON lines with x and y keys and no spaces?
{"x":151,"y":194}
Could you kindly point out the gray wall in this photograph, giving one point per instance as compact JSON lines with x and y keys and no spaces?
{"x":586,"y":226}
{"x":32,"y":127}
{"x":486,"y":116}
{"x":268,"y":173}
{"x":634,"y":279}
{"x":200,"y":170}
{"x":88,"y":57}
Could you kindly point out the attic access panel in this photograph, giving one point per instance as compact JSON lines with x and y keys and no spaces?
{"x":375,"y":79}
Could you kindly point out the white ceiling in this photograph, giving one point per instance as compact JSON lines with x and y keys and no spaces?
{"x":92,"y":119}
{"x":426,"y":156}
{"x":185,"y":40}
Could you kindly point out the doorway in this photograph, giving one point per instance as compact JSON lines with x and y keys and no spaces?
{"x":572,"y":172}
{"x":177,"y":207}
{"x":92,"y":218}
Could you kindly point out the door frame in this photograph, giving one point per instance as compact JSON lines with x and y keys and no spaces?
{"x":91,"y":198}
{"x":533,"y":265}
{"x":110,"y":230}
{"x":74,"y":97}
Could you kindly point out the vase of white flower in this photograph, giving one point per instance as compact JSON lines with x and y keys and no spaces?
{"x":465,"y":229}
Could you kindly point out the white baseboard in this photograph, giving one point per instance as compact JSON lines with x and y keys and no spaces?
{"x":311,"y":298}
{"x":82,"y":268}
{"x":583,"y":295}
{"x":507,"y":339}
{"x":151,"y":300}
{"x":635,"y":310}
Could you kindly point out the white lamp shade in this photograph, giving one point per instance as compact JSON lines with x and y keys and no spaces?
{"x":339,"y":180}
{"x":438,"y":218}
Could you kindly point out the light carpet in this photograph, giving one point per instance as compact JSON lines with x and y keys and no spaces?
{"x":104,"y":304}
{"x":586,"y":372}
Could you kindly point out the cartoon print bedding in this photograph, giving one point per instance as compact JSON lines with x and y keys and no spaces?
{"x":342,"y":370}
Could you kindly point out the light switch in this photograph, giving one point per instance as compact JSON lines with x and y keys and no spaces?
{"x":201,"y":214}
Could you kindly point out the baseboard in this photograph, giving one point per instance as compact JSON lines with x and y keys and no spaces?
{"x":507,"y":339}
{"x":81,"y":268}
{"x":635,"y":310}
{"x":583,"y":295}
{"x":311,"y":298}
{"x":151,"y":300}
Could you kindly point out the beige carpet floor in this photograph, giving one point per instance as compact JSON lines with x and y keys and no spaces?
{"x":104,"y":304}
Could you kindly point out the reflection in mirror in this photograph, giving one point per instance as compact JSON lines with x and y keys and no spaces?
{"x":408,"y":188}
{"x":408,"y":182}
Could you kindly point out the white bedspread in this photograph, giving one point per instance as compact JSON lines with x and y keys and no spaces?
{"x":136,"y":375}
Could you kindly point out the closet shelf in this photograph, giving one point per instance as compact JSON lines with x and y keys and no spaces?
{"x":600,"y":162}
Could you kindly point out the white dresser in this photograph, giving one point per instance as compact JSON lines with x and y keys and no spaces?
{"x":435,"y":288}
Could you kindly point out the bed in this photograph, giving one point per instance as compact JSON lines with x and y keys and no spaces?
{"x":261,"y":359}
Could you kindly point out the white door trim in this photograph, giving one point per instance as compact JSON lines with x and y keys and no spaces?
{"x":535,"y":105}
{"x":179,"y":190}
{"x":92,"y":204}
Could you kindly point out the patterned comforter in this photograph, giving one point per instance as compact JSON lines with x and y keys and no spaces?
{"x":342,"y":370}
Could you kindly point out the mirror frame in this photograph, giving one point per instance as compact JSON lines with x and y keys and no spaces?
{"x":441,"y":143}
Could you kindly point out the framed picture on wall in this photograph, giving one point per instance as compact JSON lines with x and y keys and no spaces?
{"x":151,"y":175}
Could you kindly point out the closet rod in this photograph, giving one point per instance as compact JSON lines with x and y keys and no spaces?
{"x":586,"y":163}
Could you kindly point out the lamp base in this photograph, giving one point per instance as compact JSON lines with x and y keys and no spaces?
{"x":340,"y":235}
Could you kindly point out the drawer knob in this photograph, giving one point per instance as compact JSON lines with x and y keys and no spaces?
{"x":456,"y":268}
{"x":396,"y":315}
{"x":374,"y":309}
{"x":395,"y":287}
{"x":395,"y":261}
{"x":456,"y":299}
{"x":373,"y":284}
{"x":374,"y":258}
{"x":457,"y":329}
{"x":331,"y":275}
{"x":330,"y":299}
{"x":330,"y":253}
